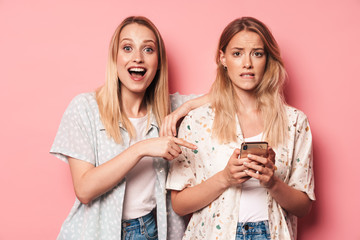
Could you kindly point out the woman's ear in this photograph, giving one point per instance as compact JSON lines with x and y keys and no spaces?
{"x":223,"y":59}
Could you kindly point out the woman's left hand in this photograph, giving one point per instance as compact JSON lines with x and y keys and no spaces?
{"x":264,"y":168}
{"x":173,"y":120}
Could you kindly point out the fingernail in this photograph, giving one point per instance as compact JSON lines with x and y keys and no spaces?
{"x":249,"y":155}
{"x":245,"y":163}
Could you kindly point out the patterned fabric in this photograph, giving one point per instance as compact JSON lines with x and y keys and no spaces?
{"x":219,"y":219}
{"x":81,"y":135}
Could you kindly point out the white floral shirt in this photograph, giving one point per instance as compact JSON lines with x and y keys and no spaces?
{"x":218,"y":220}
{"x":81,"y":135}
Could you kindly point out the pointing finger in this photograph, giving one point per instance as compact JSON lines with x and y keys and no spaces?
{"x":184,"y":143}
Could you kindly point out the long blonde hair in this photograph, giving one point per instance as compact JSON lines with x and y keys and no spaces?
{"x":269,"y":92}
{"x":108,"y":96}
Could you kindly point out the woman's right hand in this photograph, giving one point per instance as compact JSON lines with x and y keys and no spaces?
{"x":234,"y":172}
{"x":192,"y":199}
{"x":165,"y":147}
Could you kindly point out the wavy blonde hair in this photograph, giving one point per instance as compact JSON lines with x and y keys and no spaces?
{"x":269,"y":92}
{"x":108,"y":96}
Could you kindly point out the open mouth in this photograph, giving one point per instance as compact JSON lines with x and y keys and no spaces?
{"x":137,"y":71}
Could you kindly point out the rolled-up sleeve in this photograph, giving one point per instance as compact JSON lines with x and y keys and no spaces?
{"x":177,"y":99}
{"x":182,"y":169}
{"x":302,"y":176}
{"x":75,"y":137}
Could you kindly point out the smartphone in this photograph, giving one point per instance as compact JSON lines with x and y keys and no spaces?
{"x":256,"y":148}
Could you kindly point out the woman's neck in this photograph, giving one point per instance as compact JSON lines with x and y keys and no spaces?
{"x":246,"y":102}
{"x":133,"y":104}
{"x":249,"y":116}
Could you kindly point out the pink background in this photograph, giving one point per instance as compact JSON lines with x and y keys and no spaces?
{"x":51,"y":51}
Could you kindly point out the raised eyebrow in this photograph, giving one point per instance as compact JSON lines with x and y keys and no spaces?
{"x":126,"y":39}
{"x":257,"y":49}
{"x":150,"y":41}
{"x":145,"y":41}
{"x":237,"y":48}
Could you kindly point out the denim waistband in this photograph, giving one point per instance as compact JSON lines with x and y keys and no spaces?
{"x":136,"y":222}
{"x":253,"y":227}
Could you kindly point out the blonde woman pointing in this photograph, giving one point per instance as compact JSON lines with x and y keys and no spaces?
{"x":110,"y":138}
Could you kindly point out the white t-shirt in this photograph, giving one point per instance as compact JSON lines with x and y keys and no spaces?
{"x":139,"y":197}
{"x":253,"y":198}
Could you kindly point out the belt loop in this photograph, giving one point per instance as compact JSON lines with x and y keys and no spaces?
{"x":142,"y":225}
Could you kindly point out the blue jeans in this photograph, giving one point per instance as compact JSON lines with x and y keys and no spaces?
{"x":253,"y":231}
{"x":142,"y":228}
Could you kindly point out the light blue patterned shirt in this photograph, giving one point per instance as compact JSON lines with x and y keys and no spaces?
{"x":81,"y":135}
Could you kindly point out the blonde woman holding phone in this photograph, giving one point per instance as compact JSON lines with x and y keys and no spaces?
{"x":253,"y":197}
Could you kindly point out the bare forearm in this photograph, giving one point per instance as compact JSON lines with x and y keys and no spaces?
{"x":293,"y":201}
{"x":197,"y":102}
{"x":194,"y":198}
{"x":92,"y":182}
